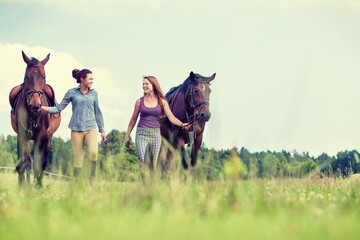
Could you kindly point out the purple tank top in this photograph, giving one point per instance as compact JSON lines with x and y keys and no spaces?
{"x":149,"y":117}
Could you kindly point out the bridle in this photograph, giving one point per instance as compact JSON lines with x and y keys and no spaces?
{"x":195,"y":108}
{"x":194,"y":117}
{"x":31,"y":92}
{"x":34,"y":116}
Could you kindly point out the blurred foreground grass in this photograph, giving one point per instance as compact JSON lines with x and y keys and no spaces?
{"x":174,"y":209}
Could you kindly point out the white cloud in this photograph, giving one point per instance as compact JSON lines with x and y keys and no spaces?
{"x":58,"y":71}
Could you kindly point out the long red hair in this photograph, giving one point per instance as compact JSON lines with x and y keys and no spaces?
{"x":157,"y":90}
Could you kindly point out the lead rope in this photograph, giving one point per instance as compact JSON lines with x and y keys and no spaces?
{"x":192,"y":133}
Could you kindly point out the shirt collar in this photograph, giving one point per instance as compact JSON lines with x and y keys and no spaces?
{"x":78,"y":88}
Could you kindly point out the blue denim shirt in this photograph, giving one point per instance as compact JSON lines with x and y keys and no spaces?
{"x":85,"y":108}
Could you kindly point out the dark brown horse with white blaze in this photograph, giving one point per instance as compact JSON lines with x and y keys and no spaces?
{"x":29,"y":122}
{"x":189,"y":102}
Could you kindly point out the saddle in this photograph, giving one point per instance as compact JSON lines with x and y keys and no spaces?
{"x":14,"y":95}
{"x":171,"y":94}
{"x":50,"y":94}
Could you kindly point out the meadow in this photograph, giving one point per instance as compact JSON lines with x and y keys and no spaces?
{"x":307,"y":208}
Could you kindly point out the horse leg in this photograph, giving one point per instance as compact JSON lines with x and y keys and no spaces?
{"x":28,"y":165}
{"x":44,"y":156}
{"x":37,"y":157}
{"x":165,"y":156}
{"x":23,"y":157}
{"x":42,"y":148}
{"x":184,"y":157}
{"x":195,"y":149}
{"x":163,"y":159}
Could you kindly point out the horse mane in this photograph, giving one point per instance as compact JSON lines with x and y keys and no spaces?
{"x":185,"y":85}
{"x":180,"y":88}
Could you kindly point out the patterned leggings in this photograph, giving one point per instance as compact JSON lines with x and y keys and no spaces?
{"x":148,"y":137}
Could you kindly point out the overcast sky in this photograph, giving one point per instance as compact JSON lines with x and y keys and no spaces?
{"x":287,"y":72}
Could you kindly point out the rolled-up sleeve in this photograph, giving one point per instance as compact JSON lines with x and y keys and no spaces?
{"x":62,"y":105}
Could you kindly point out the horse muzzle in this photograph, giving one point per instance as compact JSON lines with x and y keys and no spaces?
{"x":204,"y":117}
{"x":35,"y":110}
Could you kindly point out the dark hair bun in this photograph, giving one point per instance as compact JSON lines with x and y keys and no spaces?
{"x":75,"y":73}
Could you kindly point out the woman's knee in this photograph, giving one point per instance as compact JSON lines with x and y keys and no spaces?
{"x":93,"y":155}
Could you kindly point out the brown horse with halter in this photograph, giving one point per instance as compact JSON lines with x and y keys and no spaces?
{"x":29,"y":122}
{"x":189,"y":102}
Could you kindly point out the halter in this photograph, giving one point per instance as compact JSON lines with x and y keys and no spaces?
{"x":192,"y":119}
{"x":195,"y":107}
{"x":32,"y":91}
{"x":34,"y":116}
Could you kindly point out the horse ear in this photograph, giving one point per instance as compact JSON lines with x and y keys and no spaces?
{"x":45,"y":59}
{"x":192,"y":76}
{"x":26,"y":58}
{"x":212,"y":77}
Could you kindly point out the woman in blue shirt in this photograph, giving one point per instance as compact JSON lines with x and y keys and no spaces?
{"x":86,"y":115}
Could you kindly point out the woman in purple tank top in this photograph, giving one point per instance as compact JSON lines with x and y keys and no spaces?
{"x":150,"y":107}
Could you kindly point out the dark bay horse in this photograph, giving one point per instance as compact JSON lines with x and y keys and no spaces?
{"x":29,"y":122}
{"x":189,"y":102}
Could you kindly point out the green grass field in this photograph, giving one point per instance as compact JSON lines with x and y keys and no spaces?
{"x":253,"y":209}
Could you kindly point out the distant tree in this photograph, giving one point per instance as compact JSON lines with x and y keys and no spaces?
{"x":327,"y":171}
{"x":209,"y":164}
{"x":8,"y":154}
{"x":117,"y":161}
{"x":6,"y":159}
{"x":347,"y":162}
{"x":269,"y":166}
{"x":338,"y":173}
{"x":324,"y":162}
{"x":252,"y":164}
{"x":114,"y":141}
{"x":283,"y":170}
{"x":60,"y":156}
{"x":234,"y":168}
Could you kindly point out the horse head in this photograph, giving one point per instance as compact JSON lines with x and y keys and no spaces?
{"x":198,"y":93}
{"x":34,"y":81}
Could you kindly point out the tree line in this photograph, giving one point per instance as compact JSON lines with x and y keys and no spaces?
{"x":120,"y":163}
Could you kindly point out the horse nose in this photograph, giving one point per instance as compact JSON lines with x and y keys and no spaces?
{"x":35,"y":101}
{"x":35,"y":105}
{"x":36,"y":108}
{"x":205,"y":116}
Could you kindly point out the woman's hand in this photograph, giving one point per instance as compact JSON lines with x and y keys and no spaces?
{"x":185,"y":126}
{"x":127,"y":142}
{"x":103,"y":137}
